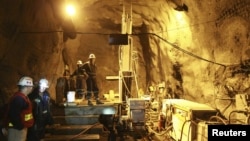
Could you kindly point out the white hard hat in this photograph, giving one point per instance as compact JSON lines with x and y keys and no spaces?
{"x":79,"y":62}
{"x":44,"y":83}
{"x":25,"y":81}
{"x":91,"y":56}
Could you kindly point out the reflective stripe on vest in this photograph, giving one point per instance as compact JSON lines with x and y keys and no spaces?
{"x":28,"y":117}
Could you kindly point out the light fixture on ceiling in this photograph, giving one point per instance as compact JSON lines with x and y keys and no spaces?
{"x":70,"y":9}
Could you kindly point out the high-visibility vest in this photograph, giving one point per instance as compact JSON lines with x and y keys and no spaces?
{"x":26,"y":115}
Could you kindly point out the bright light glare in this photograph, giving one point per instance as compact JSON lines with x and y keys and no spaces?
{"x":70,"y":9}
{"x":108,"y":111}
{"x":179,"y":16}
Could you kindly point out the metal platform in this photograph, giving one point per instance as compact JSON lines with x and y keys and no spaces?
{"x":78,"y":121}
{"x":82,"y":114}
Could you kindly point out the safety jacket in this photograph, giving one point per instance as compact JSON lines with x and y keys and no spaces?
{"x":90,"y":69}
{"x":26,"y":115}
{"x":41,"y":108}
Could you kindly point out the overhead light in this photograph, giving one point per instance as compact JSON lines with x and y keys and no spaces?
{"x":70,"y":9}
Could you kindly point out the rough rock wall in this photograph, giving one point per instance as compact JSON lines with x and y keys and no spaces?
{"x":201,"y":53}
{"x":31,"y":41}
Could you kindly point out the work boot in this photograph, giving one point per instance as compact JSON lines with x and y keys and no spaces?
{"x":99,"y":102}
{"x":90,"y":103}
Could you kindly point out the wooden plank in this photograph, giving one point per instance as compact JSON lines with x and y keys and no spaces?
{"x":70,"y":137}
{"x":77,"y":116}
{"x":63,"y":127}
{"x":112,"y":78}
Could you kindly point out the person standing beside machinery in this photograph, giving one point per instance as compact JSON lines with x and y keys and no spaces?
{"x":81,"y":77}
{"x":40,"y":98}
{"x":90,"y":68}
{"x":19,"y":113}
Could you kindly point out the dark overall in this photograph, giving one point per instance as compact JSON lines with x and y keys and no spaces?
{"x":42,"y":115}
{"x":81,"y":77}
{"x":91,"y":80}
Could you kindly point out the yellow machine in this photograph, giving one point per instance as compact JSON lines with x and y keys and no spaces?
{"x":188,"y":119}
